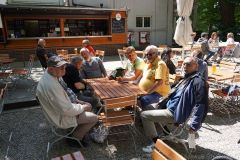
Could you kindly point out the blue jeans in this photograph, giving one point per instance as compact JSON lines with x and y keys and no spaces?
{"x":149,"y":99}
{"x":210,"y":54}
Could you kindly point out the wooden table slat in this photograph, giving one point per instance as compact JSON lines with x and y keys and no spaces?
{"x":106,"y":89}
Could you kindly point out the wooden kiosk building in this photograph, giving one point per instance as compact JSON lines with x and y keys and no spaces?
{"x":62,"y":28}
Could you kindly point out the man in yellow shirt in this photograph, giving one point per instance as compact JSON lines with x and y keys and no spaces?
{"x":155,"y":79}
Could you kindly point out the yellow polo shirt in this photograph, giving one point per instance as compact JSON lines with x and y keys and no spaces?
{"x":153,"y":71}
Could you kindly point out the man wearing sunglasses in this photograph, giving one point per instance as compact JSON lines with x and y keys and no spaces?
{"x":187,"y":104}
{"x":155,"y":79}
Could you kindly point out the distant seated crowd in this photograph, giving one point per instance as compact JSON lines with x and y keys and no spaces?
{"x":210,"y":47}
{"x":68,"y":101}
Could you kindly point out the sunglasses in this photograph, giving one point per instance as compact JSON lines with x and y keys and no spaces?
{"x":149,"y":54}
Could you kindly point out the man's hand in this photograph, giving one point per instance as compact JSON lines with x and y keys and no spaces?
{"x":119,"y":79}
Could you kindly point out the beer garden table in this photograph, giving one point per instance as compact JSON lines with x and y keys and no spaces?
{"x":107,"y":89}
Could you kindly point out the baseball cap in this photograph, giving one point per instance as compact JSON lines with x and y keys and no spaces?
{"x":55,"y":61}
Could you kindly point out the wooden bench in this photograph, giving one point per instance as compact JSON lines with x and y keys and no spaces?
{"x":73,"y":156}
{"x":164,"y":152}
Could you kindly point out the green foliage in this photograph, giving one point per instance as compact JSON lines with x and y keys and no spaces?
{"x":209,"y":18}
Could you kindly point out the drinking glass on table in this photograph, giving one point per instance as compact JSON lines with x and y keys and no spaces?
{"x":214,"y":68}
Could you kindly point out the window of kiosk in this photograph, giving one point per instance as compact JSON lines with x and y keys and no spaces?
{"x":80,"y":27}
{"x":32,"y":28}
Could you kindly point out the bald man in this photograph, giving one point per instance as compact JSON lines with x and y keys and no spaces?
{"x":42,"y":53}
{"x":92,"y":67}
{"x":187,"y":101}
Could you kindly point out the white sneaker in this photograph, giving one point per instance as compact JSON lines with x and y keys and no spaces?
{"x":149,"y":148}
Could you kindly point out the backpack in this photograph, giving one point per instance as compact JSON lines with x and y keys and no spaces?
{"x":118,"y":72}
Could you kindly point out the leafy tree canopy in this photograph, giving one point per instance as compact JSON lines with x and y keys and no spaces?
{"x":222,"y":16}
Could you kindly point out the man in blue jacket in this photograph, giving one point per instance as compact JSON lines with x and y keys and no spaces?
{"x":187,"y":102}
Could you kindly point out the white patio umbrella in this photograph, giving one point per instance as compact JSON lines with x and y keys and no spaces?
{"x":184,"y":25}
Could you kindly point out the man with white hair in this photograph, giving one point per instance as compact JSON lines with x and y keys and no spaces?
{"x":92,"y":67}
{"x":155,"y":79}
{"x":75,"y":82}
{"x":189,"y":100}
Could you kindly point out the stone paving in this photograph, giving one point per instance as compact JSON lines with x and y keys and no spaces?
{"x":30,"y":133}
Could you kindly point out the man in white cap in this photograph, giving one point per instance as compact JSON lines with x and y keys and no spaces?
{"x":57,"y":104}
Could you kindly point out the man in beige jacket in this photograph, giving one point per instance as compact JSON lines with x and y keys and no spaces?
{"x":57,"y":104}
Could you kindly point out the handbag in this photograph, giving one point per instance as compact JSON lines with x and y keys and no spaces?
{"x":99,"y":133}
{"x":118,"y":72}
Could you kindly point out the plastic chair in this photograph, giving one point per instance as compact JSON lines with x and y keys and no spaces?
{"x":60,"y":133}
{"x":3,"y":91}
{"x":229,"y":52}
{"x":122,"y":56}
{"x":175,"y":135}
{"x":23,"y":73}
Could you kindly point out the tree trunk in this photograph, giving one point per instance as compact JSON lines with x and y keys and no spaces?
{"x":227,"y":10}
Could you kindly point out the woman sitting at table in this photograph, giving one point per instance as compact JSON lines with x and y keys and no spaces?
{"x":166,"y":57}
{"x":213,"y":43}
{"x":226,"y":50}
{"x":134,"y":66}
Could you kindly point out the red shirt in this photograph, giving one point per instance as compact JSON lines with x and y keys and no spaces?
{"x":91,"y":50}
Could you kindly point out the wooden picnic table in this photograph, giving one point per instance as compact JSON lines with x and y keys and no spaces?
{"x":107,"y":89}
{"x":221,"y":74}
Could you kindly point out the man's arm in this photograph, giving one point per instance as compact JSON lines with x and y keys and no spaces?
{"x":157,"y":83}
{"x":103,"y":70}
{"x":137,"y":74}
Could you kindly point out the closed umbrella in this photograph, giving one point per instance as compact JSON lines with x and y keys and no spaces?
{"x":184,"y":25}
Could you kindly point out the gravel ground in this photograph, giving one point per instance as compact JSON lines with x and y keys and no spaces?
{"x":30,"y":134}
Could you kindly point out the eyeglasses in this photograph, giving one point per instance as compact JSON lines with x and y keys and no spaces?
{"x":188,"y":64}
{"x":149,"y":54}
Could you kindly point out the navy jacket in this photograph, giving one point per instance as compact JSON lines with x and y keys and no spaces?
{"x":193,"y":103}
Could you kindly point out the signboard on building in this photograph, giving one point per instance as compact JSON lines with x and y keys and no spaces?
{"x":118,"y":26}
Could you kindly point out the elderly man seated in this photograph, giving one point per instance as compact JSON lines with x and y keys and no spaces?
{"x":155,"y":79}
{"x":134,"y":66}
{"x":75,"y":82}
{"x":57,"y":104}
{"x":92,"y":67}
{"x":188,"y":100}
